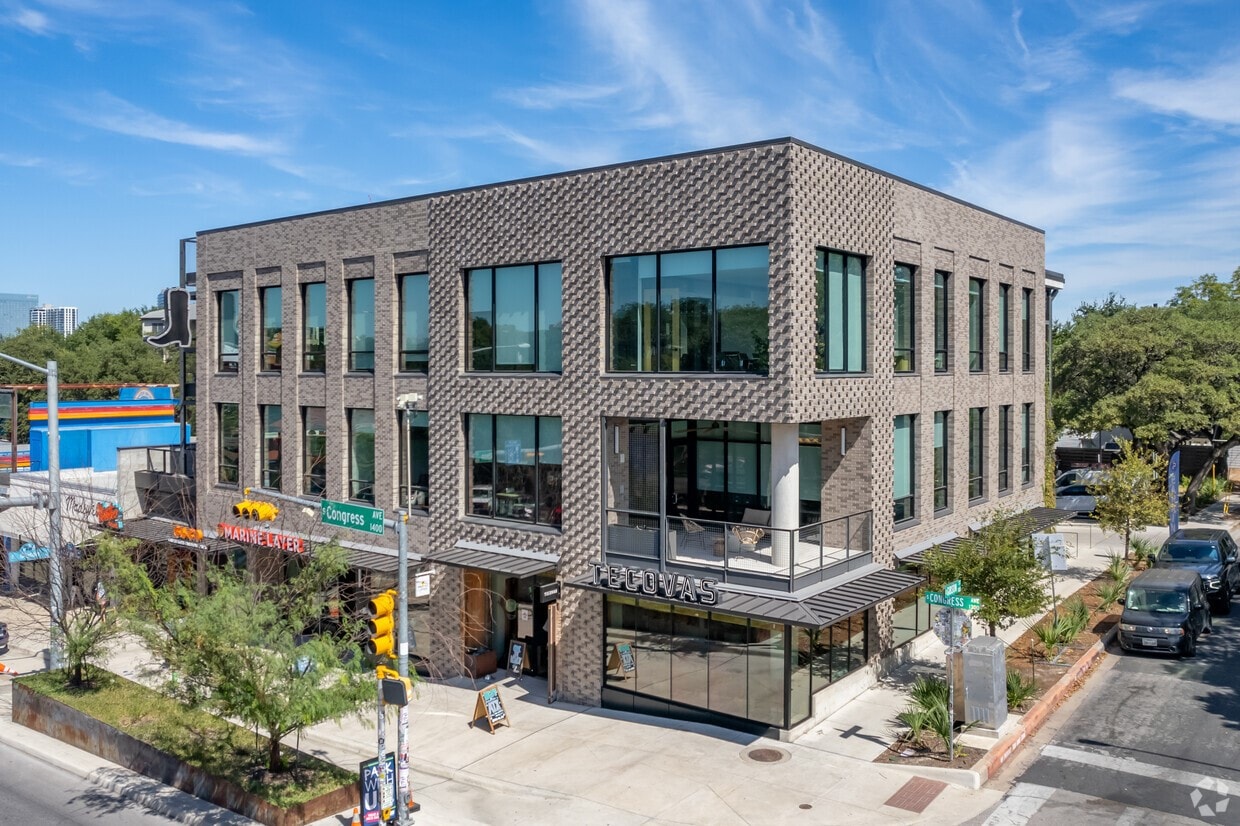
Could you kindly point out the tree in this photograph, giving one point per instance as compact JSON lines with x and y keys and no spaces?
{"x":1131,"y":496}
{"x":998,"y":564}
{"x":240,"y":651}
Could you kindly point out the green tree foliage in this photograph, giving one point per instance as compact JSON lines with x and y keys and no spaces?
{"x":999,"y":565}
{"x":239,"y":649}
{"x":1165,"y":373}
{"x":87,"y":627}
{"x":1133,"y":494}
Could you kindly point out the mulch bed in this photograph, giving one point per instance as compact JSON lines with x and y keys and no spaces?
{"x":1026,"y":656}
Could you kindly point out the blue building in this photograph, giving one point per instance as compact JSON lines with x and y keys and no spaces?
{"x":91,"y":432}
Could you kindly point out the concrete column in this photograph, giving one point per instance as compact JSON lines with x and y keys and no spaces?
{"x":785,"y":491}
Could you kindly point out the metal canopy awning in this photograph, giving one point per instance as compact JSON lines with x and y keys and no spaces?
{"x":818,"y":610}
{"x":150,"y":529}
{"x":1034,"y":520}
{"x":512,"y":562}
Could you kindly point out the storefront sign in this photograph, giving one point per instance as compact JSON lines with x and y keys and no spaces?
{"x":30,"y":552}
{"x":422,"y":585}
{"x":262,"y":538}
{"x":663,"y":584}
{"x":549,"y":592}
{"x":109,"y":515}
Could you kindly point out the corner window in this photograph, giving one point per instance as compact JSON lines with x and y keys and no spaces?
{"x":1005,"y":327}
{"x":228,"y":329}
{"x":840,"y":346}
{"x":977,"y":453}
{"x":905,"y":335}
{"x":942,"y":458}
{"x":314,"y":327}
{"x":414,"y":460}
{"x":1026,"y":330}
{"x":269,"y":414}
{"x":903,"y":482}
{"x":942,"y":307}
{"x":314,"y":450}
{"x":1005,"y":447}
{"x":1026,"y":444}
{"x":414,"y":323}
{"x":515,"y":468}
{"x":362,"y":455}
{"x":362,"y":325}
{"x":229,"y":443}
{"x":514,"y":319}
{"x":977,"y":322}
{"x":700,"y":311}
{"x":269,"y":298}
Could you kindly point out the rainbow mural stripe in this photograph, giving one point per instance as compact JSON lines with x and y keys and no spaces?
{"x":117,"y":412}
{"x":23,"y":459}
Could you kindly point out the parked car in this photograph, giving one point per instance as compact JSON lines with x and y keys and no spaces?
{"x":4,"y":638}
{"x":1079,"y":476}
{"x":1076,"y":498}
{"x":1165,"y":610}
{"x":1210,"y":552}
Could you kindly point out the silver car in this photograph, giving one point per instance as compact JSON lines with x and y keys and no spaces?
{"x":1076,"y":498}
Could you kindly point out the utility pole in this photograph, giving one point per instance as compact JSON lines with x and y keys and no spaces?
{"x":56,"y":601}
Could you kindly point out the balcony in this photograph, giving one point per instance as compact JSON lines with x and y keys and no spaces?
{"x":166,"y":485}
{"x":745,"y":553}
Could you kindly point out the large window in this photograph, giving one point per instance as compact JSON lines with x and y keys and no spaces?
{"x":841,"y":313}
{"x":905,"y":326}
{"x":362,"y":325}
{"x":270,"y":298}
{"x":362,"y":455}
{"x":414,"y":323}
{"x":701,"y":311}
{"x":269,"y":414}
{"x":314,"y":450}
{"x":314,"y":327}
{"x":228,"y":329}
{"x":229,"y":443}
{"x":514,"y":319}
{"x":1005,"y":327}
{"x":414,"y":460}
{"x":1026,"y":330}
{"x":514,"y":468}
{"x":720,"y":469}
{"x":977,"y":328}
{"x":911,"y":613}
{"x":903,"y":481}
{"x":942,"y":458}
{"x":1005,"y":448}
{"x":1026,"y":443}
{"x":977,"y":452}
{"x":942,"y":309}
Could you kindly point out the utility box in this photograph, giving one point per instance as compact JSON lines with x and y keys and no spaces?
{"x":981,"y":682}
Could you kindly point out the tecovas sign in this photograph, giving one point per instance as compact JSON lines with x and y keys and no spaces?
{"x":662,"y":584}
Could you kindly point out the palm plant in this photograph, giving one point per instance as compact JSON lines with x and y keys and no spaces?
{"x":1019,"y":690}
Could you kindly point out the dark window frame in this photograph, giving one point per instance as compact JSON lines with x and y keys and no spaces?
{"x":977,"y":325}
{"x":942,"y":461}
{"x":357,"y":358}
{"x":904,"y":508}
{"x":271,"y":477}
{"x":909,"y":352}
{"x":313,"y":354}
{"x":547,"y":506}
{"x":1005,"y":328}
{"x":538,"y":355}
{"x":272,"y":342}
{"x":1026,"y":448}
{"x":412,"y":361}
{"x":361,"y":490}
{"x":313,"y":464}
{"x":413,"y":490}
{"x":942,"y":321}
{"x":1005,"y":448}
{"x":977,"y":453}
{"x":228,"y":362}
{"x":228,"y":469}
{"x":1026,"y":331}
{"x":822,"y":363}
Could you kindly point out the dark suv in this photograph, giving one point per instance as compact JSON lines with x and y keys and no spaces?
{"x":1164,"y":610}
{"x":1210,"y":552}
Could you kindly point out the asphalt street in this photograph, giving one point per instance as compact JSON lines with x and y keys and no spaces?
{"x":35,"y":793}
{"x":1154,"y":741}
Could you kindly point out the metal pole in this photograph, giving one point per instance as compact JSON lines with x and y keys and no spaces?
{"x":951,"y":684}
{"x":383,"y":778}
{"x":56,"y":654}
{"x":402,"y":667}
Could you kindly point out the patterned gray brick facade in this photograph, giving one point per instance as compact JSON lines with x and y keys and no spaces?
{"x":794,"y":198}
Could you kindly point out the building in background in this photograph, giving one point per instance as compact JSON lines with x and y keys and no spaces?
{"x":719,"y":397}
{"x":63,"y":320}
{"x":15,"y":312}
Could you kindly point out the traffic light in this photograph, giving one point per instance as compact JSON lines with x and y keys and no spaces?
{"x":250,"y":509}
{"x":382,"y":625}
{"x":397,"y":690}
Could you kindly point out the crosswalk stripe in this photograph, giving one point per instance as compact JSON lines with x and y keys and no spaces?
{"x":1130,"y":766}
{"x":1020,"y":804}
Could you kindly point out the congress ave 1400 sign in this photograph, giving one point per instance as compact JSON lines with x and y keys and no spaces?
{"x":349,"y":515}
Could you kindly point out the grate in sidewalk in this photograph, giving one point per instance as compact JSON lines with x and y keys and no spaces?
{"x":916,"y":794}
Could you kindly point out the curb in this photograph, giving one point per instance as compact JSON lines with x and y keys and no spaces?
{"x":1040,"y":712}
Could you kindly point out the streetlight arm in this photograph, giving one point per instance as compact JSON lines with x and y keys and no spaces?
{"x":27,"y":364}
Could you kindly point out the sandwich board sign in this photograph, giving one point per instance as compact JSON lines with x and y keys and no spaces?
{"x":516,"y":658}
{"x":490,"y":706}
{"x":622,"y":659}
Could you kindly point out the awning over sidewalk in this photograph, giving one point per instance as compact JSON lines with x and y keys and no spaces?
{"x":818,"y":609}
{"x":514,"y":562}
{"x":1034,"y":520}
{"x":149,"y":529}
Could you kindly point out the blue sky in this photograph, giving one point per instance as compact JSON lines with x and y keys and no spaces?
{"x":128,"y":125}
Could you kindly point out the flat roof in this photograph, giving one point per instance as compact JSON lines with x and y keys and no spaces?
{"x":625,"y":165}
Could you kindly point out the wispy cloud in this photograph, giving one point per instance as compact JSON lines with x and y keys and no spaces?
{"x":110,"y":113}
{"x":556,"y":96}
{"x":1213,"y":95}
{"x":32,"y":20}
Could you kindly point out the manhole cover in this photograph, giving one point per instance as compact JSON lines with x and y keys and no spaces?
{"x":764,"y":755}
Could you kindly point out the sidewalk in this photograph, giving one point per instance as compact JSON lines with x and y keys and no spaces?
{"x":567,"y":764}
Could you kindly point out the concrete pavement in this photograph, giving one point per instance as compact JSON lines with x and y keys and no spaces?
{"x":563,"y":763}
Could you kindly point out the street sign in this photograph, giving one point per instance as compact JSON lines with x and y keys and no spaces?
{"x":960,"y":601}
{"x":350,"y":515}
{"x":951,"y":589}
{"x":953,"y":628}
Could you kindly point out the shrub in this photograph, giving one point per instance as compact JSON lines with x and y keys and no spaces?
{"x":1019,"y":690}
{"x":927,"y":713}
{"x":914,"y":719}
{"x":1075,"y":614}
{"x":1211,"y":490}
{"x":1144,"y":550}
{"x":1118,"y":568}
{"x":1053,"y":634}
{"x":928,"y":692}
{"x":1110,"y":593}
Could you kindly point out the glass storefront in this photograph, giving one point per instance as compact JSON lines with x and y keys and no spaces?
{"x":713,"y":667}
{"x":912,"y":613}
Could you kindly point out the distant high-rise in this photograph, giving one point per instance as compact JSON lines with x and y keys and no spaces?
{"x":15,"y":312}
{"x":61,"y":319}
